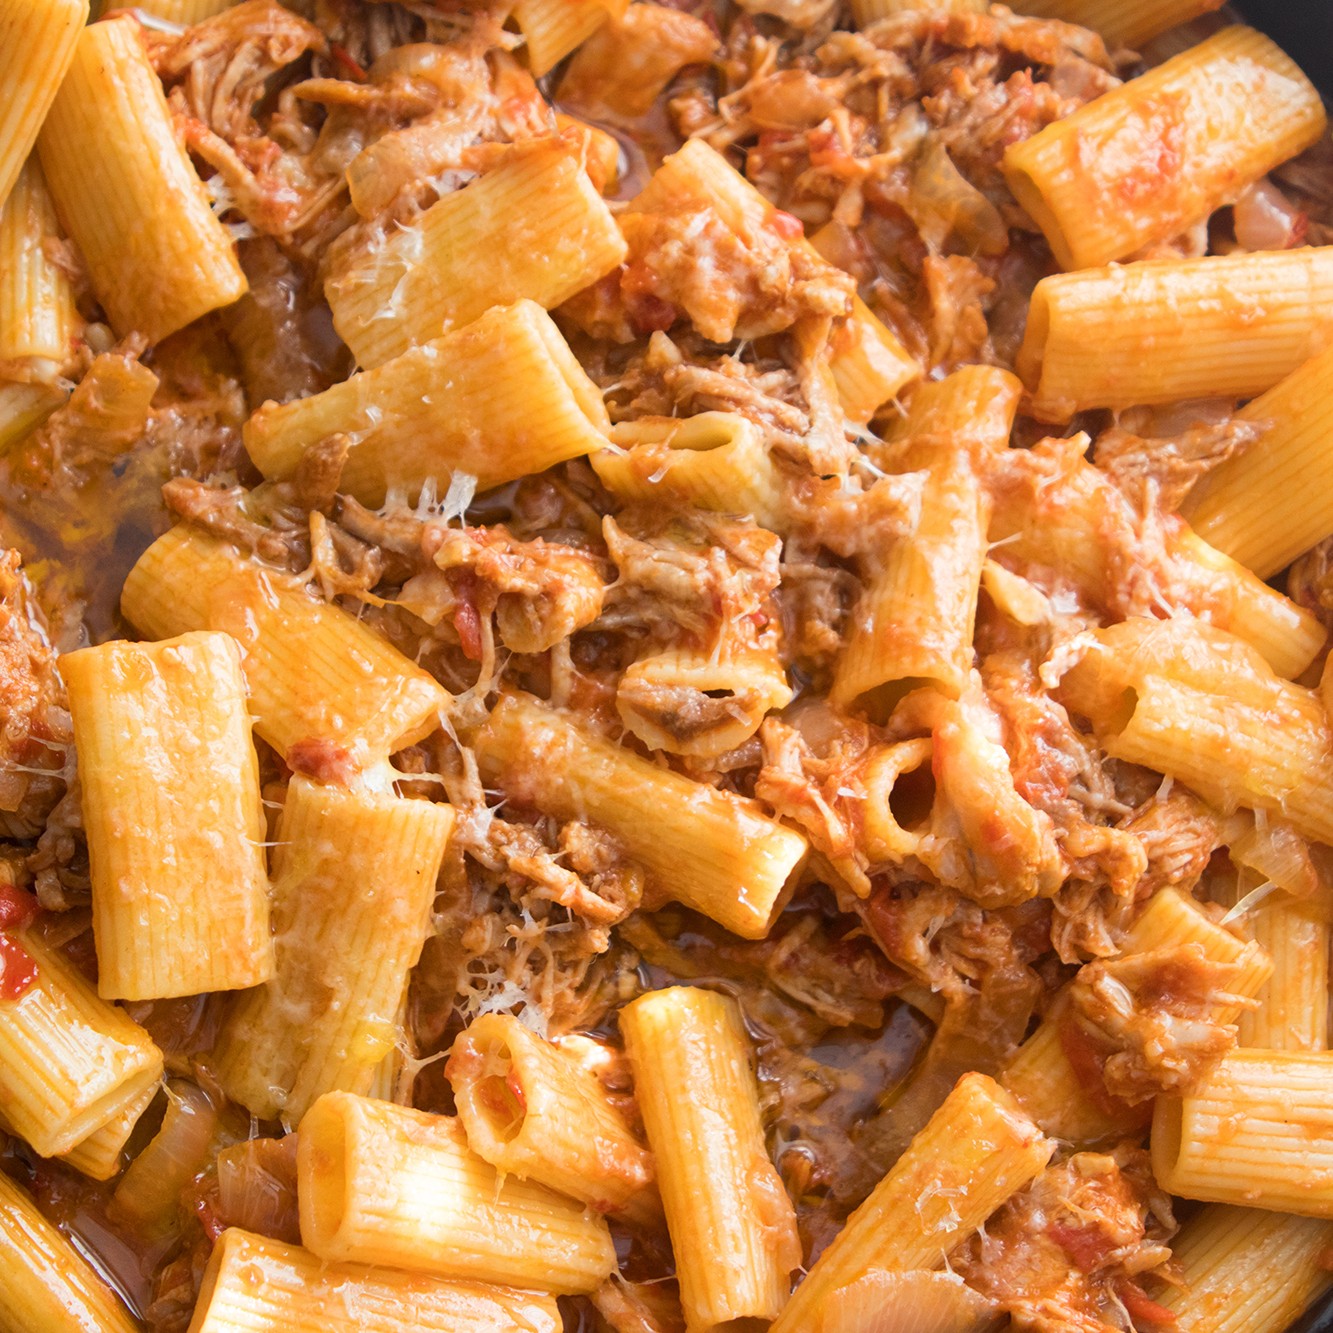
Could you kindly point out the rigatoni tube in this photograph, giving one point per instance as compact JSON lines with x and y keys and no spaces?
{"x":711,"y":850}
{"x":1271,"y":503}
{"x":553,"y":28}
{"x":1165,"y":150}
{"x":732,"y":1226}
{"x":687,"y":701}
{"x":1226,"y":326}
{"x":1257,"y":1131}
{"x":36,"y":50}
{"x":353,"y":882}
{"x":171,"y":806}
{"x":127,"y":193}
{"x":1293,"y":1004}
{"x":868,"y":363}
{"x":977,"y":1151}
{"x":46,"y":1286}
{"x":533,"y":228}
{"x":38,"y":317}
{"x":912,"y":624}
{"x":713,"y":460}
{"x":1043,"y":1077}
{"x":866,"y":12}
{"x":533,"y":1111}
{"x":1076,"y":523}
{"x":1244,"y":1269}
{"x":499,"y":399}
{"x":101,"y":1155}
{"x":254,"y":1284}
{"x":385,"y":1184}
{"x":314,"y":672}
{"x":1203,"y":707}
{"x":70,"y":1063}
{"x":1121,"y":22}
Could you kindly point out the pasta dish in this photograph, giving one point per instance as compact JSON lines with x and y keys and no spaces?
{"x":663,"y":668}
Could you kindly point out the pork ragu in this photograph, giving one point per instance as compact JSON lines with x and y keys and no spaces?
{"x":975,"y":851}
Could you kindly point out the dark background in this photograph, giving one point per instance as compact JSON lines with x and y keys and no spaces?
{"x":1304,"y":29}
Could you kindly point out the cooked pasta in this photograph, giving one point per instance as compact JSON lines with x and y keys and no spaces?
{"x":664,"y":668}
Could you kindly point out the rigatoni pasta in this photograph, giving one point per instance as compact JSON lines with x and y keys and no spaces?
{"x":711,"y":850}
{"x":1122,"y":22}
{"x":533,"y":1111}
{"x":867,"y":12}
{"x":388,"y":1185}
{"x":553,"y":28}
{"x":1217,"y":719}
{"x":70,"y":1063}
{"x":978,"y":1150}
{"x":1076,"y":526}
{"x":1255,"y":1132}
{"x":1270,"y":504}
{"x":1229,"y":326}
{"x":1244,"y":1269}
{"x":38,"y":317}
{"x":715,"y":460}
{"x":690,"y":702}
{"x":171,"y":806}
{"x":102,"y":1154}
{"x":732,"y":1228}
{"x":46,"y":1286}
{"x":733,"y":794}
{"x":867,"y":362}
{"x":1292,"y":1013}
{"x":1169,"y":147}
{"x":450,"y":267}
{"x":127,"y":193}
{"x":1044,"y":1078}
{"x":447,"y":395}
{"x":254,"y":1284}
{"x":353,"y":883}
{"x":38,"y":46}
{"x":314,"y":673}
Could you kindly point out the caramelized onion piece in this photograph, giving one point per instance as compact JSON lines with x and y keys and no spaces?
{"x":920,"y":1302}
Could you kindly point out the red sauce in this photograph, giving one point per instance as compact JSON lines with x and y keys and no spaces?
{"x":467,"y":620}
{"x":18,"y":968}
{"x":322,"y":759}
{"x":1142,"y":1308}
{"x":1086,"y":1061}
{"x":789,"y":227}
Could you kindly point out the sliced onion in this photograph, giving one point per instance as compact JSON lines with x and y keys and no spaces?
{"x":1265,"y":219}
{"x":257,"y":1187}
{"x":880,"y":1302}
{"x":149,"y":1192}
{"x":944,"y":204}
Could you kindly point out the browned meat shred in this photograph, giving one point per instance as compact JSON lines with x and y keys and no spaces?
{"x":1018,"y":854}
{"x":35,"y":734}
{"x":1154,"y":1018}
{"x":1066,"y":1255}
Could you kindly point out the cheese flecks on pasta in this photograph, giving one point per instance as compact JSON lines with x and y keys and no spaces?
{"x":663,"y":666}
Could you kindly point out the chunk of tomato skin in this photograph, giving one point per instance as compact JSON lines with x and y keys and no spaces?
{"x":18,"y":969}
{"x":1139,"y":1305}
{"x":467,"y":618}
{"x":17,"y":907}
{"x":1087,"y":1061}
{"x":651,"y":314}
{"x":787,"y":225}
